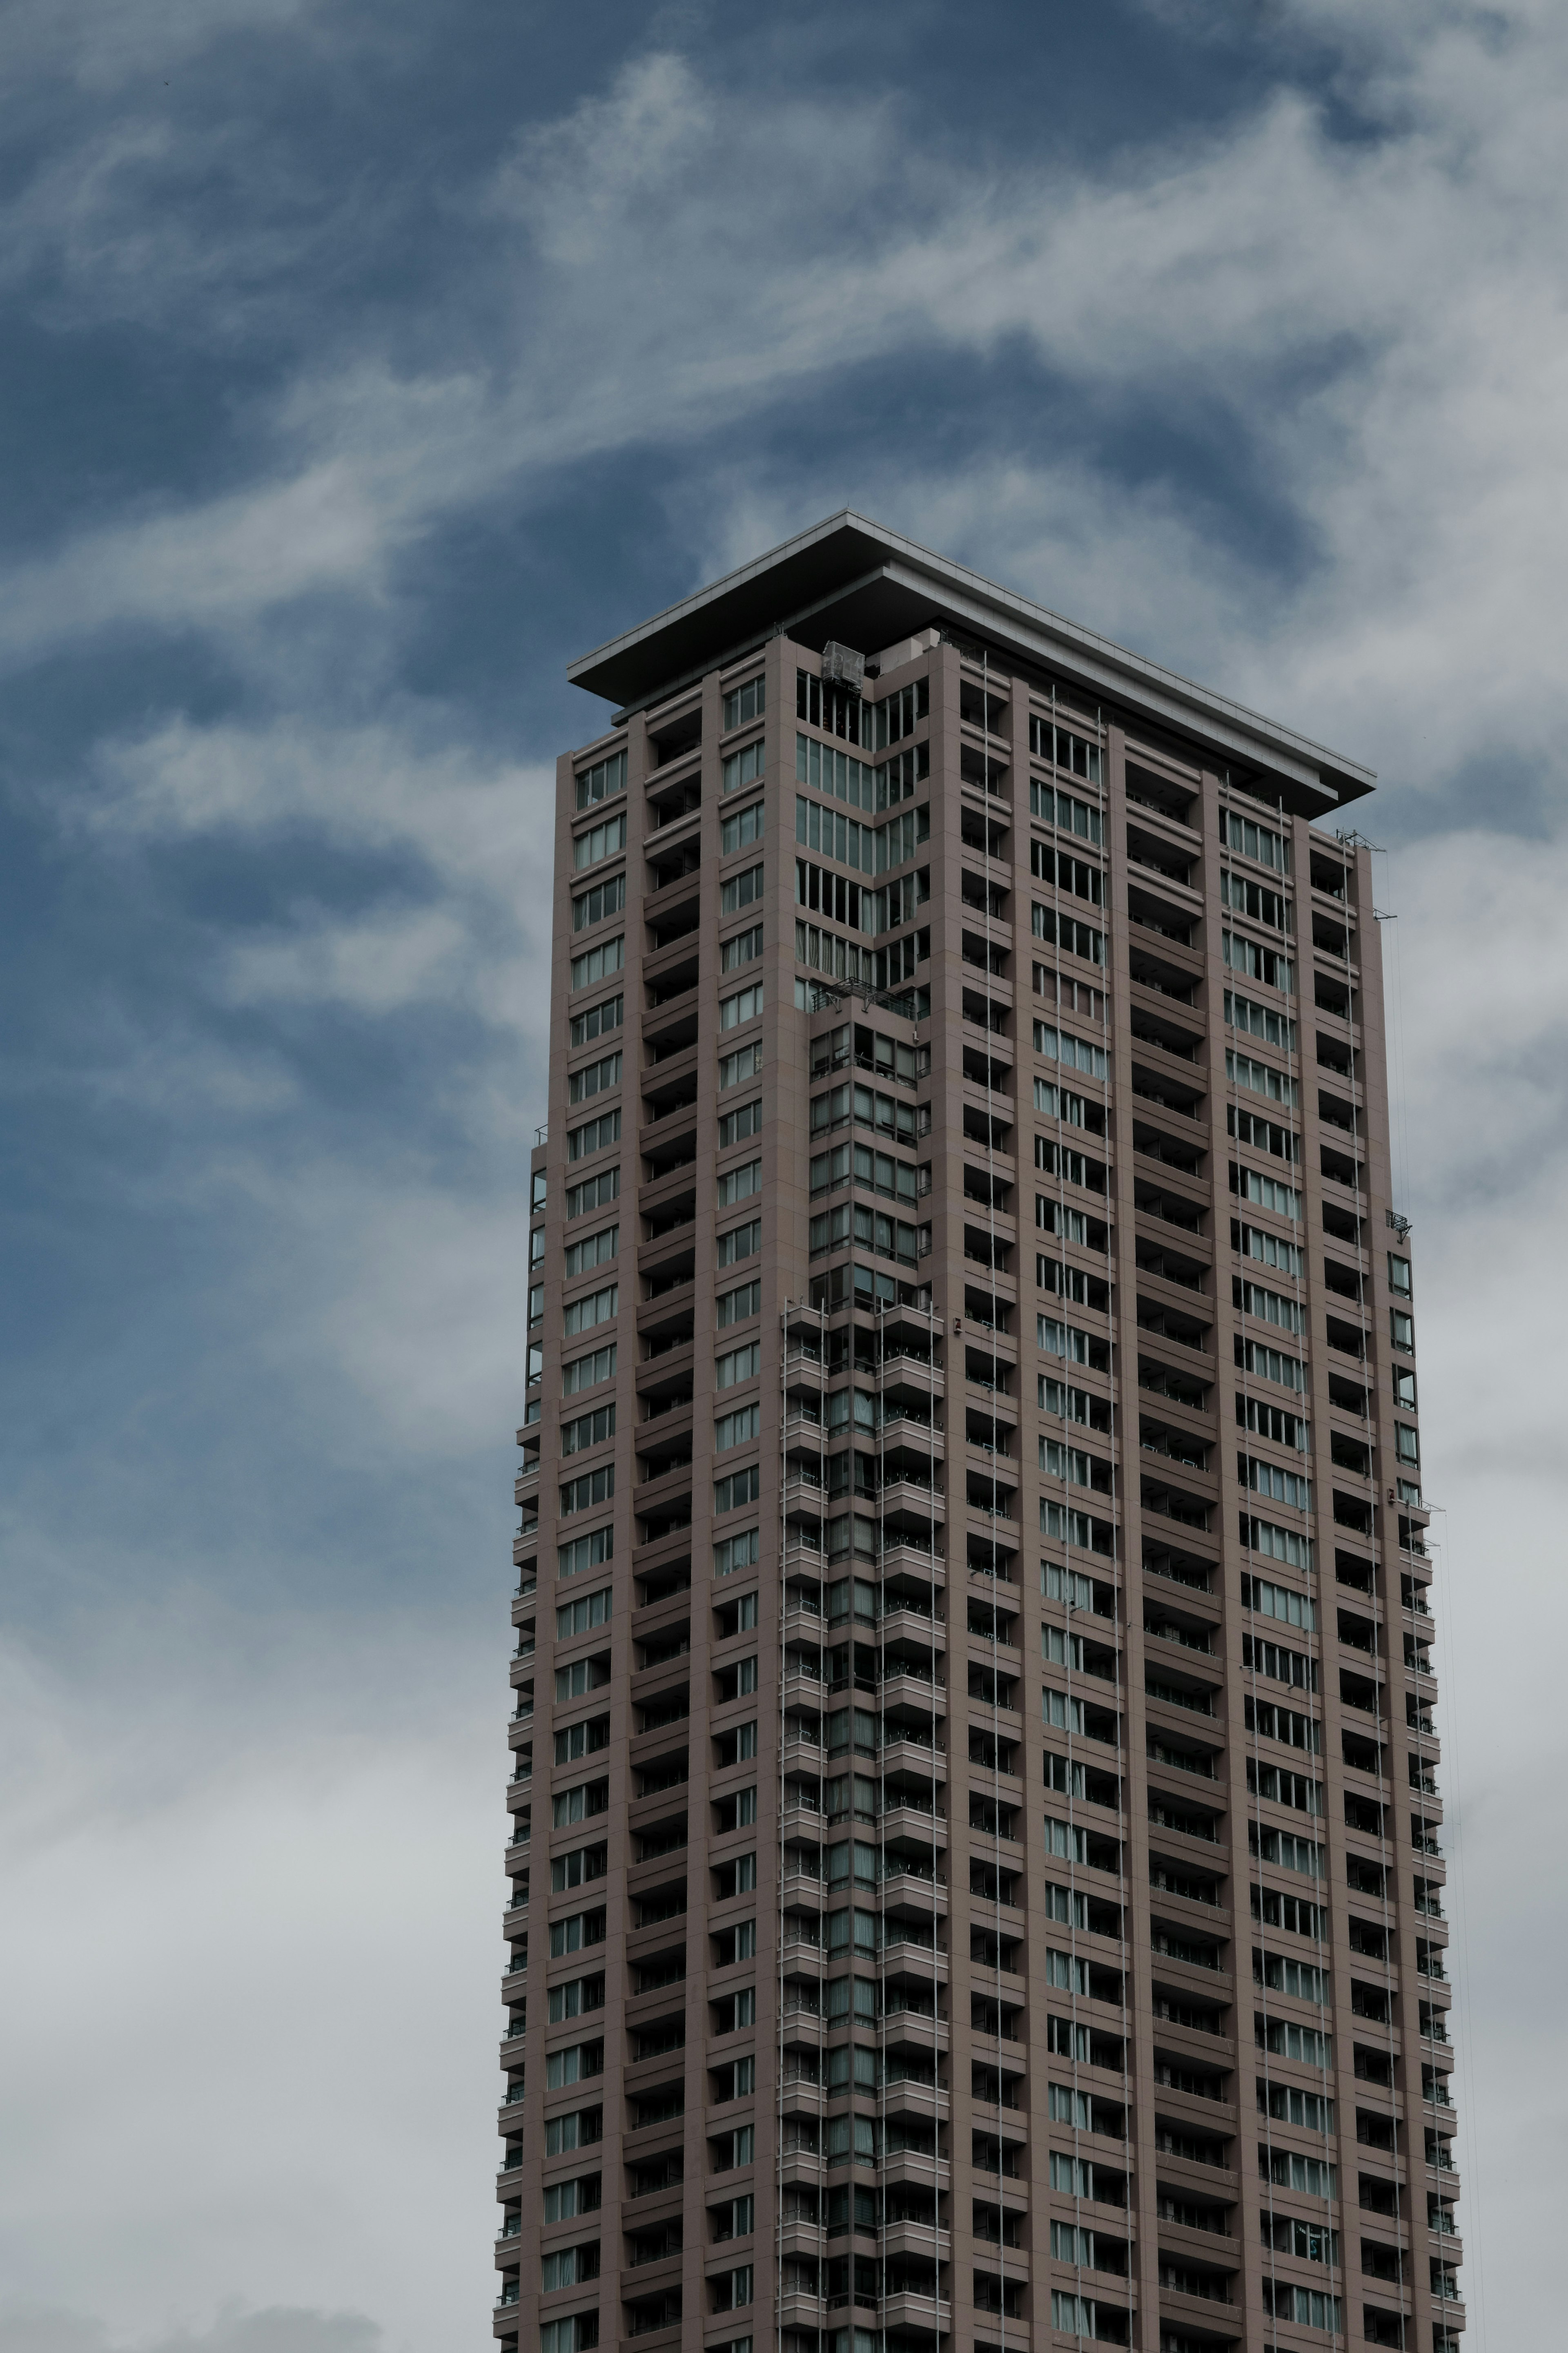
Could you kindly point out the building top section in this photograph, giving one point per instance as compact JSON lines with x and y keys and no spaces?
{"x":850,"y":581}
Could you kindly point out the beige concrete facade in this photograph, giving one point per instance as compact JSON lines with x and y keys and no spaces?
{"x":1010,"y":1873}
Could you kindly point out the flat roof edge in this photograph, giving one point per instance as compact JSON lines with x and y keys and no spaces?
{"x":813,"y":572}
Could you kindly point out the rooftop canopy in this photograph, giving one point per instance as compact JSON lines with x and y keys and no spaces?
{"x":850,"y":580}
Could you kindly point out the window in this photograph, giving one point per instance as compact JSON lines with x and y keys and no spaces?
{"x":898,"y":778}
{"x":1253,"y":900}
{"x":1280,"y":1486}
{"x":578,"y":2130}
{"x":736,"y":1307}
{"x":1267,"y":1306}
{"x":1061,"y":1160}
{"x":871,"y":849}
{"x":744,"y":1551}
{"x":600,"y":841}
{"x":735,"y":1429}
{"x":1307,"y":2307}
{"x":735,"y":1069}
{"x":582,"y":1739}
{"x":579,"y":1617}
{"x":1269,"y":1364}
{"x":604,"y":899}
{"x":1278,"y":1601}
{"x":593,"y":1487}
{"x":1290,"y":2041}
{"x":736,"y":1126}
{"x":1252,"y":840}
{"x":747,"y":702}
{"x":743,"y":767}
{"x":603,"y":781}
{"x":592,"y":1193}
{"x":580,"y":1929}
{"x":595,"y":1307}
{"x":737,"y":2147}
{"x":740,"y":1241}
{"x":1073,"y":874}
{"x":581,"y":2332}
{"x":1407,"y":1444}
{"x":1068,"y":1462}
{"x":1067,"y":933}
{"x":745,"y":948}
{"x":1073,"y":2314}
{"x":828,"y":771}
{"x":1279,"y":1663}
{"x":1275,"y":1029}
{"x":1266,"y":1192}
{"x":746,"y":826}
{"x":1404,"y":1387}
{"x":1061,"y":810}
{"x":1399,"y":1275}
{"x":1257,"y":963}
{"x":594,"y":1250}
{"x":1067,"y":1341}
{"x":1255,"y":1241}
{"x":1278,"y":1543}
{"x":588,"y":1429}
{"x":598,"y":1018}
{"x":1401,"y":1331}
{"x":899,"y":712}
{"x":574,"y":2064}
{"x":1073,"y":1053}
{"x":585,"y":1552}
{"x":1303,"y":1979}
{"x":586,"y":1372}
{"x":578,"y":1866}
{"x":594,"y":1080}
{"x":741,"y":1487}
{"x":1067,"y":1585}
{"x":1243,"y":1071}
{"x":1313,"y":2174}
{"x":1063,"y":749}
{"x":741,"y":890}
{"x":594,"y":1135}
{"x":737,"y":1183}
{"x":1059,"y":1102}
{"x":1067,"y":1527}
{"x":743,"y":1006}
{"x":901,"y":1123}
{"x":878,"y":1171}
{"x":570,"y":2266}
{"x":598,"y":964}
{"x":1266,"y":1420}
{"x":563,"y":2201}
{"x":738,"y":1364}
{"x":1067,"y":2107}
{"x":1286,"y":1788}
{"x":1264,"y":1134}
{"x":1284,"y":1724}
{"x":892,"y":1238}
{"x":579,"y":1803}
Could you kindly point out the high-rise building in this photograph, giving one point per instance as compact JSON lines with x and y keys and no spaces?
{"x":977,"y":1878}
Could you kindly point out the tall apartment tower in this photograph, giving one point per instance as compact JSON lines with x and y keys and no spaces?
{"x":977,"y":1867}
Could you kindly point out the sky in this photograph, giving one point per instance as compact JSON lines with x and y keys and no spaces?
{"x":360,"y":365}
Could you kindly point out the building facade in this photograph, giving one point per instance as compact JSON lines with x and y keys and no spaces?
{"x":977,"y":1861}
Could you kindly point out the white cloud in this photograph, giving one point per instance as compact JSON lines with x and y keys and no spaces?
{"x":381,"y":964}
{"x":251,"y":1949}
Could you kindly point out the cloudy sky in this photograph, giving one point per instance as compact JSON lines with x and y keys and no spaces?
{"x":363,"y":361}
